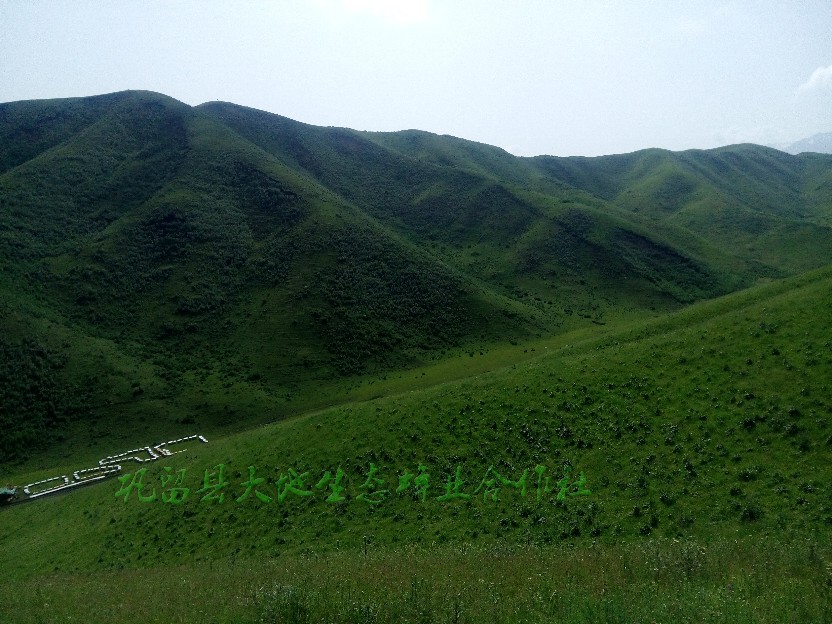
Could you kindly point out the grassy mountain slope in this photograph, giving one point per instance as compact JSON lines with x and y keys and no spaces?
{"x":491,"y":214}
{"x":30,"y":128}
{"x":439,"y":328}
{"x":211,"y":260}
{"x":704,"y":425}
{"x":221,"y":266}
{"x":755,"y":201}
{"x":705,"y":420}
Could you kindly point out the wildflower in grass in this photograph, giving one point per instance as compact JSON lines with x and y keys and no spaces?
{"x":293,"y":483}
{"x":493,"y":481}
{"x":420,"y":482}
{"x":251,"y":487}
{"x":213,"y":483}
{"x":371,"y":493}
{"x":178,"y":493}
{"x":136,"y":482}
{"x":453,"y":486}
{"x":334,"y":484}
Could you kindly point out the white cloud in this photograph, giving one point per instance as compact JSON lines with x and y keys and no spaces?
{"x":821,"y":78}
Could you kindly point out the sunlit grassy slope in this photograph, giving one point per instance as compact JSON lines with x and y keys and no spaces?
{"x":404,"y":343}
{"x":697,"y":425}
{"x":168,"y":267}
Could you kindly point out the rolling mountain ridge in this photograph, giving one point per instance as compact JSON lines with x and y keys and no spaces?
{"x":169,"y":259}
{"x":431,"y":381}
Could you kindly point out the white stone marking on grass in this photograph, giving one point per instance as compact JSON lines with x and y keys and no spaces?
{"x":110,"y":465}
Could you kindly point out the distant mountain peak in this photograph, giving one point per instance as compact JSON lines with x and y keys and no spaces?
{"x":820,"y":143}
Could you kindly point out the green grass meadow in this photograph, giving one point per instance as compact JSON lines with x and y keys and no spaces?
{"x":438,"y":383}
{"x":762,"y":578}
{"x":709,"y":475}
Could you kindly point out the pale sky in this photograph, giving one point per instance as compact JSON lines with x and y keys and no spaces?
{"x":560,"y":77}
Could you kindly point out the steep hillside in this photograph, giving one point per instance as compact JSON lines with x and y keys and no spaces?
{"x":761,"y":204}
{"x":222,"y":266}
{"x":703,"y":423}
{"x":196,"y":256}
{"x":437,"y":382}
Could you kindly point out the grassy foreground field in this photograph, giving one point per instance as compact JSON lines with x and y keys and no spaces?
{"x":758,"y":579}
{"x":704,"y":437}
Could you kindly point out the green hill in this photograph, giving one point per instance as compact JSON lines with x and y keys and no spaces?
{"x":707,"y":428}
{"x":169,"y":260}
{"x":438,"y":382}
